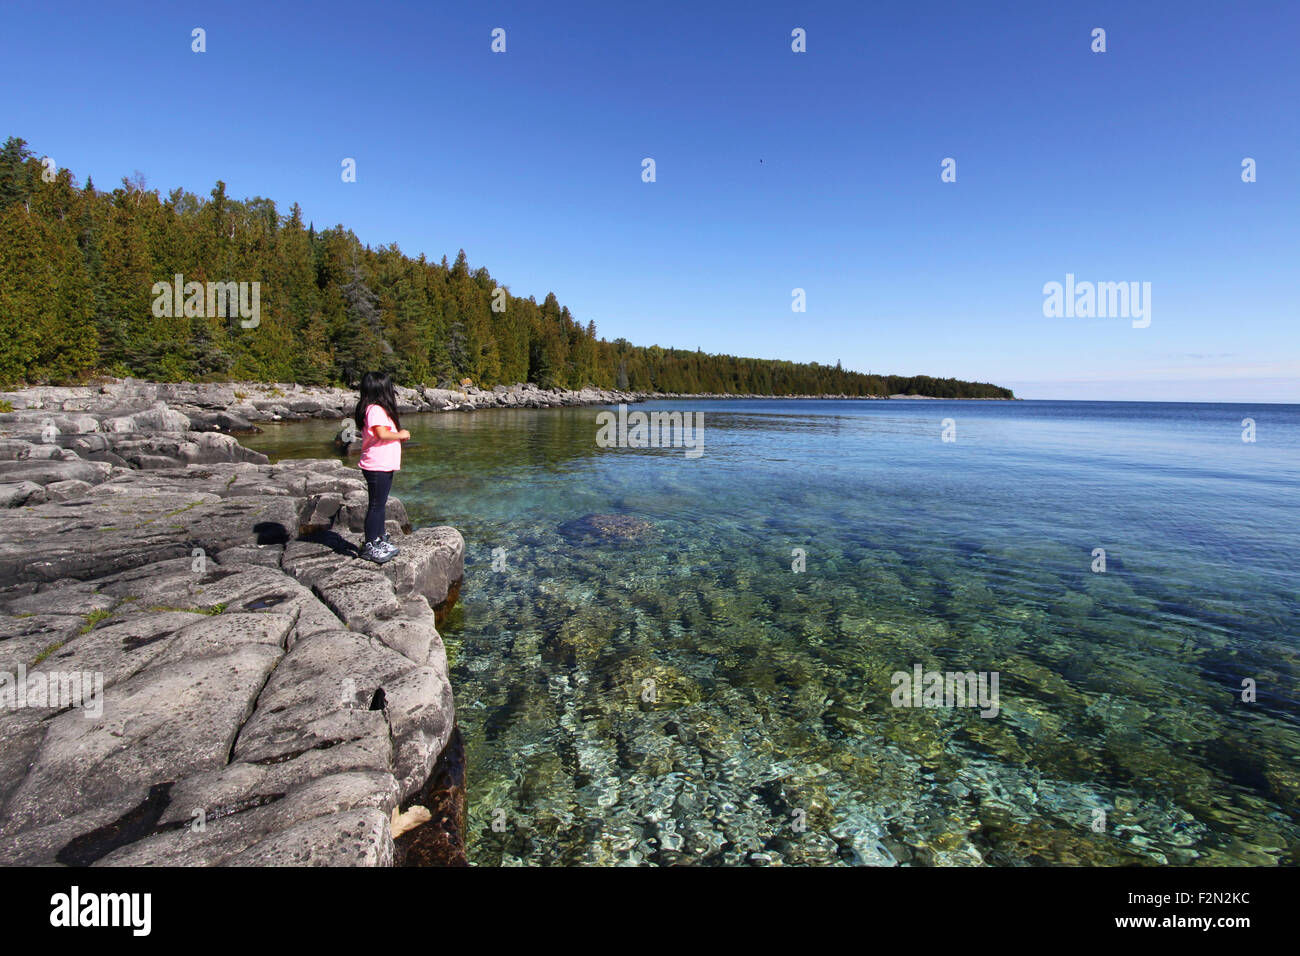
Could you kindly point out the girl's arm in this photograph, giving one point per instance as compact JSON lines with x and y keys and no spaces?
{"x":384,"y":433}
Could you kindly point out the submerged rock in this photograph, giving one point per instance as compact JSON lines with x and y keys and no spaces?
{"x":606,"y":527}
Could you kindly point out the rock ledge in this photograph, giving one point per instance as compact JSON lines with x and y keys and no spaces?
{"x":209,"y":675}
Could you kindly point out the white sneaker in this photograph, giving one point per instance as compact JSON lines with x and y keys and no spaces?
{"x":378,"y":551}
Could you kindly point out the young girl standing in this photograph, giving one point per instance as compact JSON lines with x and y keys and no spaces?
{"x":381,"y":457}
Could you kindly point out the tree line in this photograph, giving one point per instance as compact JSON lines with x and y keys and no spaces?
{"x":79,"y":266}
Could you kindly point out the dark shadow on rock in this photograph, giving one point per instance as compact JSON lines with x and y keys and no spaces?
{"x":334,"y":541}
{"x":271,"y":532}
{"x":133,"y":825}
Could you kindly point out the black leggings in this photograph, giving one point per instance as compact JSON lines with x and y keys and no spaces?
{"x":378,"y":484}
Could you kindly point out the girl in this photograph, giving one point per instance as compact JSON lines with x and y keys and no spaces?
{"x":381,"y":456}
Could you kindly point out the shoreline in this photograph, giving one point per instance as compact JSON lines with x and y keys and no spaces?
{"x":145,"y":546}
{"x":235,"y":407}
{"x":657,"y":396}
{"x":260,"y":695}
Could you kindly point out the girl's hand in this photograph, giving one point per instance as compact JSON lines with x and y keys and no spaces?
{"x":404,"y":435}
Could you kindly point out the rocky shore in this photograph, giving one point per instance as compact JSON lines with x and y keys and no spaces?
{"x":195,"y":667}
{"x":130,"y":406}
{"x":134,"y":408}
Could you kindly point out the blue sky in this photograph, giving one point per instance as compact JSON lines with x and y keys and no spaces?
{"x":775,"y":170}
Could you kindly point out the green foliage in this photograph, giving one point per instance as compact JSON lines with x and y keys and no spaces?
{"x":49,"y":649}
{"x":93,"y":618}
{"x":78,"y":265}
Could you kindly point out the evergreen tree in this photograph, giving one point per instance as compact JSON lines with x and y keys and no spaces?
{"x":78,"y":266}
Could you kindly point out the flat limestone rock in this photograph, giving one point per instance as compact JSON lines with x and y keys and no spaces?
{"x":216,"y":587}
{"x":413,"y":632}
{"x":265,"y":555}
{"x":211,"y":835}
{"x":77,"y":599}
{"x":118,"y":650}
{"x":313,"y":559}
{"x":13,"y":449}
{"x":421,"y":714}
{"x":224,"y":421}
{"x":79,"y":839}
{"x":360,"y":595}
{"x":164,"y":723}
{"x":46,"y":542}
{"x":44,"y":472}
{"x":323,"y":693}
{"x":21,"y":733}
{"x":24,"y":639}
{"x":215,"y":635}
{"x":66,"y":490}
{"x":244,"y":784}
{"x":349,"y":838}
{"x":339,"y":686}
{"x":261,"y":698}
{"x":431,"y":564}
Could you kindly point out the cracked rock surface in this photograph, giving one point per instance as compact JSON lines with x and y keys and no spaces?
{"x":195,"y":667}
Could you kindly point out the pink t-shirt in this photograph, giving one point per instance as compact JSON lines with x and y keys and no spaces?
{"x":376,"y":454}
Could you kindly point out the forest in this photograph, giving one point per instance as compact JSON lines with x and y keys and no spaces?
{"x":78,"y":268}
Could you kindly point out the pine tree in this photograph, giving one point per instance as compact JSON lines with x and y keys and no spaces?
{"x":77,"y":269}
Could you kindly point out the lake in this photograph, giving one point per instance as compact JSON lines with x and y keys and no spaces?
{"x":718,"y":681}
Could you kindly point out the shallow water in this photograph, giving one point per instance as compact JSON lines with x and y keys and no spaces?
{"x":685,"y":696}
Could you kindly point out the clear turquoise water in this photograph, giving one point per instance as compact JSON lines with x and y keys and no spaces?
{"x":770,"y":736}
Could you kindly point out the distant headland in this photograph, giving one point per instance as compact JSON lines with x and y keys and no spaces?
{"x":188,"y":288}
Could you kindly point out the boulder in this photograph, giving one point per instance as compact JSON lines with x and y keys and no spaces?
{"x":431,"y":564}
{"x":606,"y":527}
{"x":14,"y":449}
{"x":43,"y":472}
{"x":66,"y":490}
{"x":14,"y":494}
{"x":222,"y":421}
{"x":160,"y":418}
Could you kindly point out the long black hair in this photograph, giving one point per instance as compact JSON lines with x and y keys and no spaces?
{"x":376,"y":389}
